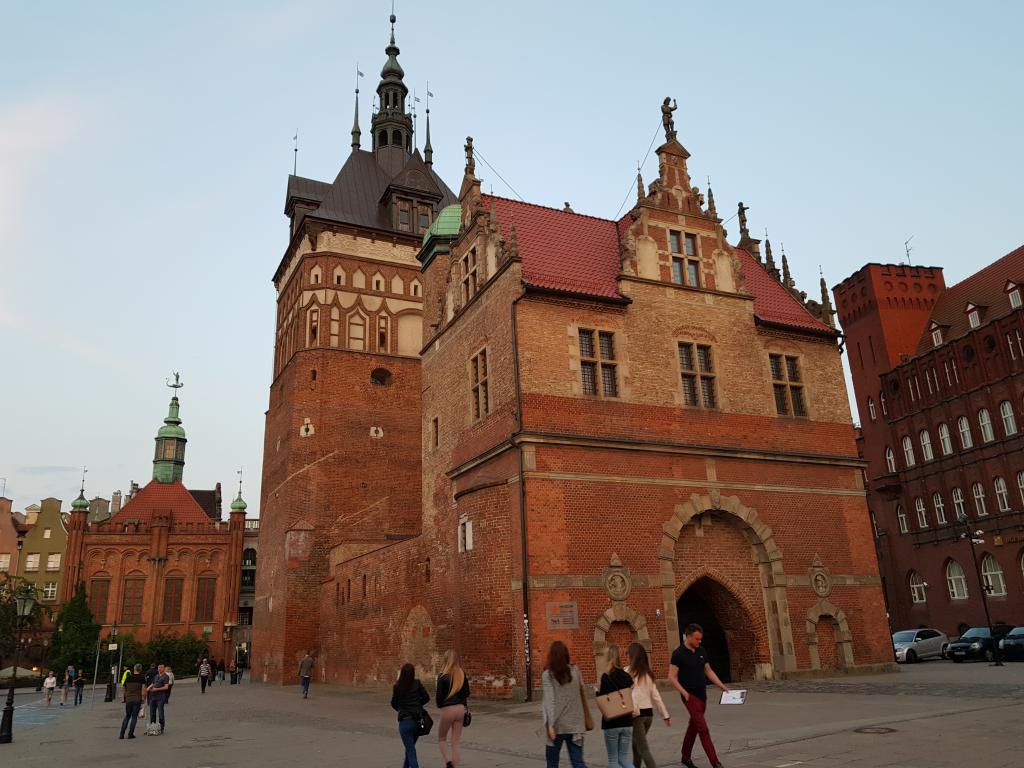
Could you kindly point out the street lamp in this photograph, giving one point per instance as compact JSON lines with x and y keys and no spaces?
{"x":111,"y":683}
{"x":24,"y":604}
{"x":974,"y":538}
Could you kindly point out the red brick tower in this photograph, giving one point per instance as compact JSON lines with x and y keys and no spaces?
{"x":341,"y":468}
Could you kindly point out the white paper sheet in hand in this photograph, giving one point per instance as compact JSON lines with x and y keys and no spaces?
{"x":734,"y":697}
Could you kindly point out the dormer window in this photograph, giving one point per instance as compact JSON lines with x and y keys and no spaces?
{"x":974,"y":318}
{"x":403,"y":217}
{"x":937,"y":337}
{"x":1013,"y":291}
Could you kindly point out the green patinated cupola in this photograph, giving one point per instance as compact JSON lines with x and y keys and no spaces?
{"x":169,"y":459}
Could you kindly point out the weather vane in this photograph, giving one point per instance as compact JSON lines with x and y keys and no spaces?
{"x":240,"y":480}
{"x":177,"y":382}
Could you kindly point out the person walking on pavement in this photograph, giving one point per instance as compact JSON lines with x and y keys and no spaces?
{"x":125,"y":674}
{"x":170,"y":674}
{"x":645,"y":698}
{"x":157,"y":695}
{"x":306,"y":673}
{"x":618,"y":731}
{"x":49,"y":686}
{"x":220,"y":669}
{"x":689,"y":673}
{"x":68,"y":684}
{"x":407,"y":698}
{"x":213,"y":670}
{"x":79,"y":687}
{"x":204,"y":675}
{"x":564,"y":721}
{"x":452,"y":696}
{"x":134,"y":698}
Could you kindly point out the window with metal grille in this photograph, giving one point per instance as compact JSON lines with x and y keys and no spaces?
{"x":206,"y":590}
{"x":99,"y":595}
{"x":131,"y":602}
{"x":173,"y":590}
{"x":245,"y":615}
{"x":480,"y":374}
{"x":697,"y":372}
{"x":787,"y":385}
{"x":598,"y":367}
{"x":467,"y":268}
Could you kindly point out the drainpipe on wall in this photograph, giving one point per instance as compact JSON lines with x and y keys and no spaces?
{"x":524,"y":565}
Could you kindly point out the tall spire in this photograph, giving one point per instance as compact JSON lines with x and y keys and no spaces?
{"x":769,"y":261}
{"x":712,"y":211}
{"x":639,"y":185}
{"x":169,"y":459}
{"x":787,"y":278}
{"x":356,"y":133}
{"x":392,"y":124}
{"x":826,"y":302}
{"x":428,"y":151}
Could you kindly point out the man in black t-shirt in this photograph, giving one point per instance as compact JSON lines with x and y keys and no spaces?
{"x":689,"y":673}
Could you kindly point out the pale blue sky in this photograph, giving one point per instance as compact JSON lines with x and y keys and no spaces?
{"x":144,"y":150}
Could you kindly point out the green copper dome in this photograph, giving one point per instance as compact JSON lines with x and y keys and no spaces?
{"x":169,"y":458}
{"x":446,"y":224}
{"x":239,"y":505}
{"x":81,"y":503}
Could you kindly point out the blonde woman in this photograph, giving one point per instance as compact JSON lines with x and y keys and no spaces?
{"x":645,"y":698}
{"x":618,"y":731}
{"x":452,"y":695}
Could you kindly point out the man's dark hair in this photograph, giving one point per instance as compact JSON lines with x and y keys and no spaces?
{"x":691,"y":628}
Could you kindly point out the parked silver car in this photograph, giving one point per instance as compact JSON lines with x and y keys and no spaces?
{"x":913,"y":645}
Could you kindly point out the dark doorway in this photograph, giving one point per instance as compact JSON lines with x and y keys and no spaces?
{"x":694,"y":607}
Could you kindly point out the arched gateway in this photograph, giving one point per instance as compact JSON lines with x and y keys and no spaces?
{"x":731,"y":643}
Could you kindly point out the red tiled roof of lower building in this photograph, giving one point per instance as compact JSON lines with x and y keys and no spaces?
{"x":984,"y":289}
{"x":157,"y":498}
{"x":772,"y":302}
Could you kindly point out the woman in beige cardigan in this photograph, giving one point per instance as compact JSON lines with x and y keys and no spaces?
{"x":645,"y":699}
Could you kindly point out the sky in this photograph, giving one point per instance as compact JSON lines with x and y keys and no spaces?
{"x":145,"y":148}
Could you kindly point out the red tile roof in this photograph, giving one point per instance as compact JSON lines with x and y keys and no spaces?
{"x":162,"y":498}
{"x":566,"y":251}
{"x":984,"y":288}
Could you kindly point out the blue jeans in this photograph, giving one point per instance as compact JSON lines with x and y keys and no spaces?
{"x":553,"y":751}
{"x":79,"y":691}
{"x":305,"y":686}
{"x":409,"y":730}
{"x":131,"y":716}
{"x":156,"y":711}
{"x":619,"y":743}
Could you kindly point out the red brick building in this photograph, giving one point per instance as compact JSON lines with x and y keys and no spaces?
{"x":162,"y":563}
{"x":939,"y":378}
{"x":605,"y":430}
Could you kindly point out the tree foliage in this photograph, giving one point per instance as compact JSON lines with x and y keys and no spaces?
{"x":75,"y":640}
{"x":10,"y":588}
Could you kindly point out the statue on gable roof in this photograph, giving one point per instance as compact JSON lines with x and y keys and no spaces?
{"x":667,"y":109}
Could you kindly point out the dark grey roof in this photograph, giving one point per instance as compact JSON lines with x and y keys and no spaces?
{"x":210,"y":501}
{"x":305,"y":189}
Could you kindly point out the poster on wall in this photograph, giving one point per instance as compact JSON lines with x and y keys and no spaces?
{"x":562,"y":615}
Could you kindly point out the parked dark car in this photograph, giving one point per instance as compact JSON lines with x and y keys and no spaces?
{"x":975,"y":643}
{"x":1012,"y":646}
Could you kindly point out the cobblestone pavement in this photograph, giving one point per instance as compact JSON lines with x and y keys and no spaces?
{"x":929,"y":715}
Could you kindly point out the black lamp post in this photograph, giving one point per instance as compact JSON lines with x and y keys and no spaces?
{"x":24,"y":603}
{"x":973,"y":538}
{"x":112,"y":682}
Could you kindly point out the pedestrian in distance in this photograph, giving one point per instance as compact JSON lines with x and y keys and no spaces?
{"x":452,"y":697}
{"x":407,"y":698}
{"x":79,"y":687}
{"x":306,"y":673}
{"x":689,"y":673}
{"x":170,"y":675}
{"x":618,"y":731}
{"x":220,"y":669}
{"x":125,"y":674}
{"x":134,"y":698}
{"x":204,"y":675}
{"x":150,"y":674}
{"x":68,"y":684}
{"x":213,"y":670}
{"x":156,"y":693}
{"x":49,"y":686}
{"x":645,"y":698}
{"x":565,"y":720}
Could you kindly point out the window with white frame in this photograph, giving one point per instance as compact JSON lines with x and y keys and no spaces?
{"x":917,"y":591}
{"x":985,"y":422}
{"x":901,"y":517}
{"x":53,"y":561}
{"x":979,"y":499}
{"x":32,"y":562}
{"x":992,"y":576}
{"x":1015,"y":300}
{"x":465,"y":534}
{"x":966,"y":441}
{"x":944,"y":442}
{"x":956,"y":581}
{"x":958,"y":504}
{"x":5,"y":562}
{"x":974,"y":318}
{"x":50,"y":590}
{"x":47,"y":532}
{"x":1002,"y":494}
{"x":922,"y":513}
{"x":940,"y":508}
{"x":1020,"y":485}
{"x":937,"y":337}
{"x":871,"y":409}
{"x":926,"y":446}
{"x":1009,"y":420}
{"x":882,"y":402}
{"x":890,"y":460}
{"x":908,"y":451}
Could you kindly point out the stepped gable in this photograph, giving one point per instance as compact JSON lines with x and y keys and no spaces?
{"x":157,"y":498}
{"x":984,"y":289}
{"x":772,"y":302}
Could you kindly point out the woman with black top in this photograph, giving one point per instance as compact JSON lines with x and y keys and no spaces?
{"x":452,"y":695}
{"x":618,"y":732}
{"x":407,"y":698}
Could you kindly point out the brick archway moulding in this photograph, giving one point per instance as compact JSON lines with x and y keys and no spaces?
{"x":619,"y":611}
{"x":768,"y":558}
{"x":844,"y":640}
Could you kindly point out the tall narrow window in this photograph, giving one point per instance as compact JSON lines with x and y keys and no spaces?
{"x":787,"y":385}
{"x":973,"y":318}
{"x":985,"y":422}
{"x":944,"y":441}
{"x":992,"y":576}
{"x":979,"y":499}
{"x":206,"y":590}
{"x":871,"y":409}
{"x":908,"y":451}
{"x":480,"y":384}
{"x":382,"y":334}
{"x":1009,"y":420}
{"x":922,"y":513}
{"x":926,"y":446}
{"x":958,"y":504}
{"x":435,"y":432}
{"x":314,"y":326}
{"x":955,"y":581}
{"x":966,"y":441}
{"x":357,"y":332}
{"x":882,"y":402}
{"x":173,"y":589}
{"x":1015,"y":300}
{"x":468,"y":272}
{"x":99,"y":596}
{"x":917,"y":591}
{"x":940,"y":508}
{"x":598,"y":368}
{"x":692,"y":262}
{"x":1002,"y":494}
{"x":131,"y":601}
{"x":901,"y":517}
{"x":1020,"y":486}
{"x":890,"y":460}
{"x":697,"y":370}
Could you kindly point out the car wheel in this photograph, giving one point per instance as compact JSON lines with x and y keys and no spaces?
{"x":911,"y":657}
{"x":989,"y":655}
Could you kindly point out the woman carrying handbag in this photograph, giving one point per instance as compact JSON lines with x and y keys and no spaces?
{"x":615,"y":700}
{"x":452,"y":698}
{"x":565,"y":711}
{"x":407,"y":698}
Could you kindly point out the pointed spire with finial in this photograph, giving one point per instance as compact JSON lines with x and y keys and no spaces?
{"x":513,"y":242}
{"x":787,"y":278}
{"x":639,"y":185}
{"x":428,"y":151}
{"x":827,"y":312}
{"x":356,"y":133}
{"x":712,"y":211}
{"x":769,"y":260}
{"x":239,"y":505}
{"x":81,"y":504}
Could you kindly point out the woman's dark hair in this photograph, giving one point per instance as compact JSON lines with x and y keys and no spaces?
{"x":406,"y":678}
{"x":639,"y":664}
{"x":558,"y":662}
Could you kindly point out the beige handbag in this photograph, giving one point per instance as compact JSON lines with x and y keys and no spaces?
{"x":616,"y":704}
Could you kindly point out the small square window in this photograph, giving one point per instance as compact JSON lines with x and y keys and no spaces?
{"x":46,"y":533}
